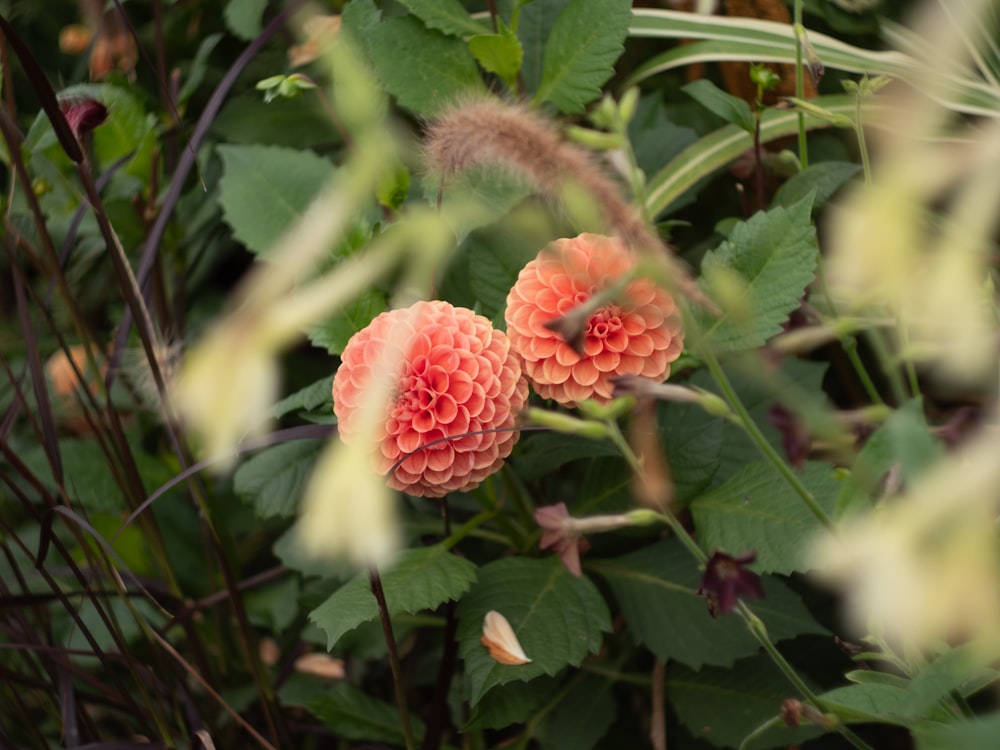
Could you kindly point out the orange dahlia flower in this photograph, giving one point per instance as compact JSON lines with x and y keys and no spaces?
{"x":457,"y":378}
{"x":639,"y":335}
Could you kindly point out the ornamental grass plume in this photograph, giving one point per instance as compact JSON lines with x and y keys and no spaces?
{"x":458,"y":393}
{"x":640,"y":333}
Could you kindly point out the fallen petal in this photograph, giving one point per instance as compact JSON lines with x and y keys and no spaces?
{"x":499,"y":638}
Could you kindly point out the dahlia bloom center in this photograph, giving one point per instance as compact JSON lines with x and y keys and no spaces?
{"x":639,"y":335}
{"x":456,"y":379}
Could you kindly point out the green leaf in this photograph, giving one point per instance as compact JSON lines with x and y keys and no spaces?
{"x":656,"y":589}
{"x":691,"y":439}
{"x":419,"y":579}
{"x":730,"y":108}
{"x":299,"y":122}
{"x":775,"y":42}
{"x":310,"y":398}
{"x":89,"y":479}
{"x":424,"y":69}
{"x":540,"y":453}
{"x":447,"y":16}
{"x":557,"y":618}
{"x":725,"y":705}
{"x":826,"y":178}
{"x":716,"y":150}
{"x":265,"y":189}
{"x":495,"y":260}
{"x":960,"y":669}
{"x":533,"y":29}
{"x":499,"y":53}
{"x":359,"y":21}
{"x":511,"y":703}
{"x":334,"y":333}
{"x":243,"y":18}
{"x":273,"y":480}
{"x":275,"y":606}
{"x":586,"y":40}
{"x":903,"y":438}
{"x":352,"y":714}
{"x":757,"y":510}
{"x":971,"y":734}
{"x":758,"y":391}
{"x":581,"y":718}
{"x":872,"y":702}
{"x":773,"y":257}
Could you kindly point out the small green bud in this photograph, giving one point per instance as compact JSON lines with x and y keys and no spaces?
{"x":713,"y":404}
{"x":605,"y":114}
{"x":595,"y":138}
{"x":608,"y":412}
{"x":763,"y":77}
{"x":566,"y":424}
{"x":644,"y":517}
{"x":628,"y":104}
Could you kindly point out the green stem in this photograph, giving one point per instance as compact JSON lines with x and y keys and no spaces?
{"x":468,"y":527}
{"x":800,"y":84}
{"x":848,"y":341}
{"x":753,"y":431}
{"x":859,"y":129}
{"x":759,"y":631}
{"x":877,"y":342}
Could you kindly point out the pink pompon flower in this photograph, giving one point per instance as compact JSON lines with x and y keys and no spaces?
{"x":456,"y":379}
{"x":639,"y":335}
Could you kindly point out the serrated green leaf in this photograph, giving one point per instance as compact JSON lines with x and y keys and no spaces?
{"x":825,"y":178}
{"x":905,"y":439}
{"x":447,"y":16}
{"x":273,"y":480}
{"x":495,"y":260}
{"x":419,"y":579}
{"x":656,"y":589}
{"x":334,"y":333}
{"x":586,"y":40}
{"x":265,"y":189}
{"x":310,"y":398}
{"x":581,"y":718}
{"x":723,"y":706}
{"x":557,"y":618}
{"x":533,"y":29}
{"x":691,"y":439}
{"x":424,"y":69}
{"x":730,"y":108}
{"x":773,"y":255}
{"x":756,"y":509}
{"x":243,"y":17}
{"x":354,"y":715}
{"x":758,"y":394}
{"x":499,"y":53}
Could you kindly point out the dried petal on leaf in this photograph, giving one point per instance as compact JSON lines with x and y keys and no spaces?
{"x":499,"y":638}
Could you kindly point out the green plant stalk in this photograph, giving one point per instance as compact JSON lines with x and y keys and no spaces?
{"x":758,"y":630}
{"x":754,"y":624}
{"x":394,"y":664}
{"x":877,"y":341}
{"x":467,"y":528}
{"x":753,"y":431}
{"x":800,"y":85}
{"x":848,"y":341}
{"x":859,"y":130}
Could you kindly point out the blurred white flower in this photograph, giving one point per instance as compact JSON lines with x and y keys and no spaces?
{"x":923,"y":569}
